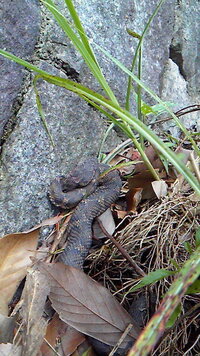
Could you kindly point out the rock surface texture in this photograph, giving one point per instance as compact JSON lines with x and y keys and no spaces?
{"x":28,"y":160}
{"x":19,"y":28}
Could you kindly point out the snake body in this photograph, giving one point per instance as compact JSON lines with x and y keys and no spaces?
{"x":93,"y":194}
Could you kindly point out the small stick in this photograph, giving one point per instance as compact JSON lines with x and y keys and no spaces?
{"x":179,"y":113}
{"x":125,"y":333}
{"x":51,"y":347}
{"x":59,"y":235}
{"x":122,"y":250}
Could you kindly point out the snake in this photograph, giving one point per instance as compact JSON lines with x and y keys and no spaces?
{"x":90,"y":188}
{"x":91,"y":192}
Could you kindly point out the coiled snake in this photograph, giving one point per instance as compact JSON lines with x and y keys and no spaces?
{"x":93,"y":194}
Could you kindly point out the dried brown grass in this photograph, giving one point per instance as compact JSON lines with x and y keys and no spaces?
{"x":154,"y":238}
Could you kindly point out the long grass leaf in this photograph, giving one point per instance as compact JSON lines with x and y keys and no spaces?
{"x":153,"y":95}
{"x":122,"y":114}
{"x":22,"y":62}
{"x":80,"y":28}
{"x":133,"y":122}
{"x":139,"y":93}
{"x":150,"y":278}
{"x":141,"y":38}
{"x":89,"y":60}
{"x":129,"y":133}
{"x":40,"y":109}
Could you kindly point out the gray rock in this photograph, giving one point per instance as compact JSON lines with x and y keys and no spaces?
{"x":29,"y":161}
{"x":185,"y":46}
{"x":106,"y":24}
{"x":19,"y":30}
{"x":175,"y":87}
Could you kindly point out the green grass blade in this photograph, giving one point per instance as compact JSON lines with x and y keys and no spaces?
{"x":129,"y":133}
{"x":40,"y":109}
{"x":156,"y":326}
{"x":22,"y":62}
{"x":139,"y":93}
{"x":117,"y":150}
{"x":89,"y":60}
{"x":141,"y":38}
{"x":132,"y":122}
{"x":123,"y":115}
{"x":105,"y":136}
{"x":80,"y":28}
{"x":153,"y":95}
{"x":150,"y":278}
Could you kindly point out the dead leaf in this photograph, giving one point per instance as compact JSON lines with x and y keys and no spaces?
{"x":7,"y":325}
{"x":121,"y":214}
{"x":34,"y":325}
{"x":160,"y":188}
{"x":71,"y":341}
{"x":86,"y":305}
{"x":133,"y":154}
{"x":133,"y":198}
{"x":52,"y":334}
{"x":130,"y":156}
{"x":69,"y":338}
{"x":143,"y":180}
{"x":153,"y":158}
{"x":15,"y":252}
{"x":184,"y":154}
{"x":10,"y":350}
{"x":48,"y":222}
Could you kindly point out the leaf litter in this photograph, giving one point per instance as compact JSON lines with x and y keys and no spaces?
{"x":86,"y":305}
{"x":151,"y":232}
{"x":69,"y":338}
{"x":15,"y":252}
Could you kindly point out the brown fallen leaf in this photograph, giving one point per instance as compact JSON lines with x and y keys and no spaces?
{"x":184,"y":154}
{"x":34,"y":325}
{"x":7,"y":326}
{"x":69,"y":338}
{"x":86,"y":305}
{"x":121,"y":214}
{"x":143,"y":180}
{"x":153,"y":158}
{"x":133,"y":198}
{"x":15,"y":252}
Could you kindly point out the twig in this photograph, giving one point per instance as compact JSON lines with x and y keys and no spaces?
{"x":125,"y":333}
{"x":193,"y":345}
{"x":179,"y":113}
{"x":51,"y":347}
{"x":59,"y":235}
{"x":122,"y":250}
